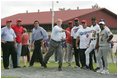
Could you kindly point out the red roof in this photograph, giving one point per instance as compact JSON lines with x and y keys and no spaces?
{"x":45,"y":17}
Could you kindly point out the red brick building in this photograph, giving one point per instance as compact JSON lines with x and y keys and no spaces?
{"x":66,"y":15}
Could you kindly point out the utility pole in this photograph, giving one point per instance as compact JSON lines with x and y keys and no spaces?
{"x":52,"y":14}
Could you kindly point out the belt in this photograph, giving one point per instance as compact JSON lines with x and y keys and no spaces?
{"x":93,"y":39}
{"x":9,"y":41}
{"x":74,"y":39}
{"x":38,"y":40}
{"x":103,"y":46}
{"x":56,"y":41}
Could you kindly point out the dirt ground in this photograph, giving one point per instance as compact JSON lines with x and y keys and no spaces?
{"x":67,"y":72}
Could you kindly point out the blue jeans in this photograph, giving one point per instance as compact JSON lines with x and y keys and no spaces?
{"x":18,"y":50}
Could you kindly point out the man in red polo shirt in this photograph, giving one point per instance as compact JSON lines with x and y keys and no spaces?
{"x":18,"y":29}
{"x":69,"y":54}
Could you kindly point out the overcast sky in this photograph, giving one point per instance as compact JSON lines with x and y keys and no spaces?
{"x":11,"y":7}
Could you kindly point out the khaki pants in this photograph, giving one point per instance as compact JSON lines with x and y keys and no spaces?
{"x":69,"y":54}
{"x":52,"y":47}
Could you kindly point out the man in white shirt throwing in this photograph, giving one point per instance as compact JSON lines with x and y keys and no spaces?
{"x":55,"y":44}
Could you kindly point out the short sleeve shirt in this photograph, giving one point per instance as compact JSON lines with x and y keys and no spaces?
{"x":95,"y":30}
{"x":18,"y":31}
{"x":84,"y":35}
{"x":74,"y":30}
{"x":68,"y":36}
{"x":57,"y":33}
{"x":25,"y":39}
{"x":7,"y":34}
{"x":104,"y":35}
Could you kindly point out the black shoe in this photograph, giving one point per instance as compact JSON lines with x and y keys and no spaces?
{"x":17,"y":67}
{"x":24,"y":66}
{"x":6,"y":68}
{"x":45,"y":66}
{"x":85,"y":68}
{"x":96,"y":68}
{"x":92,"y":69}
{"x":59,"y":69}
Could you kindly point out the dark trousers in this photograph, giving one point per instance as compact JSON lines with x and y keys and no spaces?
{"x":76,"y":53}
{"x":82,"y":57}
{"x":8,"y":49}
{"x":37,"y":53}
{"x":103,"y":62}
{"x":28,"y":57}
{"x":92,"y":53}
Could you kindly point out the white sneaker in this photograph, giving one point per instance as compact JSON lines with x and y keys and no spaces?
{"x":105,"y":72}
{"x":99,"y":71}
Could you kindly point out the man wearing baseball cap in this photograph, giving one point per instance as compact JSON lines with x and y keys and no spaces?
{"x":76,"y":27}
{"x":105,"y":37}
{"x":19,"y":20}
{"x":93,"y":46}
{"x":8,"y":21}
{"x":83,"y":38}
{"x":8,"y":45}
{"x":18,"y":29}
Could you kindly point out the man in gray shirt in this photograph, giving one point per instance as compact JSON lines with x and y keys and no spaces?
{"x":39,"y":35}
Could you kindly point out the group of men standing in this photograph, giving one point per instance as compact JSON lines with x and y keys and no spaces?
{"x":11,"y":39}
{"x":86,"y":42}
{"x":91,"y":41}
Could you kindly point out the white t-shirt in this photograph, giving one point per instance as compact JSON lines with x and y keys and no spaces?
{"x":57,"y":33}
{"x":104,"y":35}
{"x":74,"y":30}
{"x":95,"y":30}
{"x":85,"y":35}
